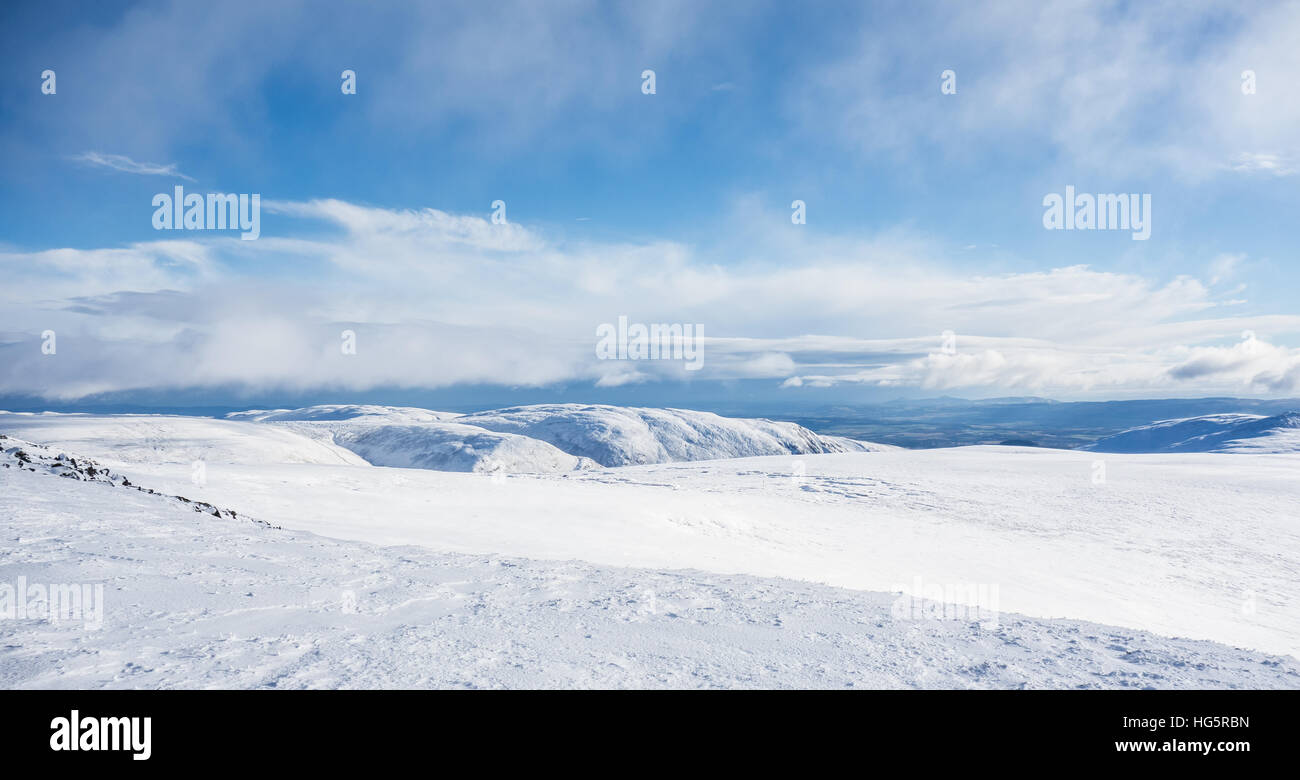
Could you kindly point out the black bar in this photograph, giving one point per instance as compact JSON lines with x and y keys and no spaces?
{"x":1050,"y":730}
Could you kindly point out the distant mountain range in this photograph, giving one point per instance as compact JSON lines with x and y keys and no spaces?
{"x":547,"y":438}
{"x":948,"y":422}
{"x":556,"y":436}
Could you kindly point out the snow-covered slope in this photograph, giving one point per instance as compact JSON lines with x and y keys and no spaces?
{"x":130,"y":438}
{"x":623,"y":436}
{"x":407,"y":437}
{"x":25,"y":456}
{"x":453,"y":447}
{"x":1209,"y":433}
{"x":193,"y":600}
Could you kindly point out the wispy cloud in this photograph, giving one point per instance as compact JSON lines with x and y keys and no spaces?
{"x":1119,"y":88}
{"x":1262,"y":162}
{"x":120,"y":162}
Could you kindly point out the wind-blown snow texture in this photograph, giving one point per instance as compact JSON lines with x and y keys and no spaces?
{"x":195,"y":600}
{"x":1209,"y":433}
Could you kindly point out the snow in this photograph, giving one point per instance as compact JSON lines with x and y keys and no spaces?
{"x":25,"y":456}
{"x":531,"y":439}
{"x":545,"y":438}
{"x":1209,"y":433}
{"x":192,"y":600}
{"x":453,"y":447}
{"x":1175,"y":544}
{"x":353,"y":412}
{"x":623,"y":436}
{"x":352,"y":435}
{"x":1111,"y":570}
{"x":152,"y":439}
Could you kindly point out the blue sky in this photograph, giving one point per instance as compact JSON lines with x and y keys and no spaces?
{"x":924,"y":209}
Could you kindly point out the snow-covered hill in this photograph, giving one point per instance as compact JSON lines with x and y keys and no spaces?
{"x":546,"y":438}
{"x":389,"y":415}
{"x":521,"y":440}
{"x":1209,"y":433}
{"x":623,"y":436}
{"x":454,"y":447}
{"x":196,"y":600}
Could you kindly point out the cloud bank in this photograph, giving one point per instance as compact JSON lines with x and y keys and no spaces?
{"x":433,"y":299}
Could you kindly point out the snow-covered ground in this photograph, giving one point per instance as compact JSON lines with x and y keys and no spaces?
{"x":777,"y":570}
{"x":196,"y":600}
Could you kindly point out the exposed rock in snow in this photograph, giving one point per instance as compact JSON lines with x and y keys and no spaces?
{"x":22,"y":455}
{"x":1209,"y":433}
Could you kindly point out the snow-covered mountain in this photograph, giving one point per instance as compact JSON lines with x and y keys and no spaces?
{"x":390,"y":415}
{"x":625,"y":436}
{"x":1209,"y":433}
{"x":408,"y":437}
{"x":547,"y":438}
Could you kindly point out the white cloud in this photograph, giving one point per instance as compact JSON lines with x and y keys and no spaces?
{"x":437,"y":299}
{"x":1276,"y":164}
{"x":1129,"y":90}
{"x":119,"y":162}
